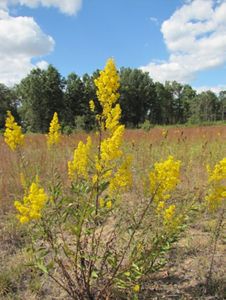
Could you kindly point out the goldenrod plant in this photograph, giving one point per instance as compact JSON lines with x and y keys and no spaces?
{"x":13,"y":133}
{"x":33,"y":202}
{"x":217,"y":185}
{"x":88,"y":236}
{"x":53,"y":136}
{"x":215,"y":198}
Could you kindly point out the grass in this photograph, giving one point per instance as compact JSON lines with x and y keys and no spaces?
{"x":185,"y":274}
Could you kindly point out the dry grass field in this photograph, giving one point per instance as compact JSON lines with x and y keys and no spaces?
{"x":184,"y":276}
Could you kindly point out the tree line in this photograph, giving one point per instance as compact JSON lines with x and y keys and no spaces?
{"x":42,"y":92}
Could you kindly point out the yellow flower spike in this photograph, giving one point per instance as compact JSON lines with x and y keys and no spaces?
{"x":107,"y":86}
{"x":217,"y":190}
{"x":13,"y":133}
{"x":53,"y":136}
{"x":123,"y":177}
{"x":32,"y":204}
{"x":79,"y":165}
{"x":169,"y":214}
{"x":92,"y":105}
{"x":164,"y":178}
{"x":110,"y":147}
{"x":109,"y":204}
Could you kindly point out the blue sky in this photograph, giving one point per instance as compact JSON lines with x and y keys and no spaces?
{"x":183,"y":40}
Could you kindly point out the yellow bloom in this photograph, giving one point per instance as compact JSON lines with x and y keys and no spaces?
{"x":169,"y":214}
{"x":101,"y":202}
{"x":164,"y":133}
{"x":160,"y":207}
{"x":107,"y":86}
{"x":33,"y":203}
{"x":110,"y":147}
{"x":164,"y":178}
{"x":113,"y":117}
{"x":136,"y":288}
{"x":79,"y":165}
{"x":109,"y":204}
{"x":53,"y":136}
{"x":106,"y":162}
{"x":217,"y":180}
{"x":122,"y":178}
{"x":13,"y":133}
{"x":92,"y":105}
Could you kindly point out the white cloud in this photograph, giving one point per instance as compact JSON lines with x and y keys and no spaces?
{"x":21,"y":39}
{"x":215,"y":89}
{"x":195,"y":36}
{"x":69,"y":7}
{"x":43,"y":65}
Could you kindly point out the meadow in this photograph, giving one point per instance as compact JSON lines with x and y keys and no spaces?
{"x":184,"y":275}
{"x":115,"y":213}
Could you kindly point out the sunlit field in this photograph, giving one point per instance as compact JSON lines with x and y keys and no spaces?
{"x":184,"y":275}
{"x":114,"y":213}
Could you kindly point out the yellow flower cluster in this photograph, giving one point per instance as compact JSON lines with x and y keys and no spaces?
{"x":164,"y":178}
{"x":107,"y":159}
{"x":122,"y":178}
{"x":92,"y":105}
{"x":13,"y":133}
{"x":53,"y":136}
{"x":32,"y":204}
{"x":168,"y":214}
{"x":79,"y":165}
{"x":107,"y":86}
{"x":217,"y":181}
{"x":103,"y":203}
{"x":110,"y":148}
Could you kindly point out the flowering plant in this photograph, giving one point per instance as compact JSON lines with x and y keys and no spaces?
{"x":94,"y":240}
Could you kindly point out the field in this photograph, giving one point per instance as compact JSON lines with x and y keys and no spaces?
{"x":185,"y":274}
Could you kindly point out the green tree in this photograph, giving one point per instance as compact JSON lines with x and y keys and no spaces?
{"x":8,"y":101}
{"x":222,"y":105}
{"x":137,"y":97}
{"x":204,"y":107}
{"x":163,"y":96}
{"x":74,"y":97}
{"x":41,"y":94}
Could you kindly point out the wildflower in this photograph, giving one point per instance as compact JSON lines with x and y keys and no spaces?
{"x":13,"y":133}
{"x":217,"y":190}
{"x":53,"y":136}
{"x":79,"y":165}
{"x":164,"y":133}
{"x":136,"y":288}
{"x":101,"y":202}
{"x":169,"y":214}
{"x":92,"y":105}
{"x":110,"y":147}
{"x":164,"y":178}
{"x":109,"y":204}
{"x":160,"y":207}
{"x":122,"y":178}
{"x":113,"y":117}
{"x":107,"y":85}
{"x":33,"y":203}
